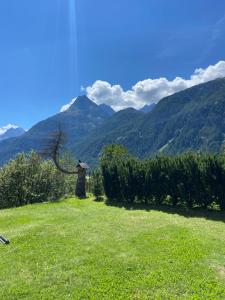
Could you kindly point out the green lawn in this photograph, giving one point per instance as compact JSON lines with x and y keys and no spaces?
{"x":81,"y":249}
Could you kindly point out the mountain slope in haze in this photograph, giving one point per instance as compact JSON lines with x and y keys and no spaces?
{"x":193,"y":119}
{"x":107,"y":109}
{"x":82,"y":117}
{"x":114,"y":130}
{"x":148,"y":108}
{"x":10,"y":131}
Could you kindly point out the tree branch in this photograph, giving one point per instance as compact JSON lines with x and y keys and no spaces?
{"x":53,"y":150}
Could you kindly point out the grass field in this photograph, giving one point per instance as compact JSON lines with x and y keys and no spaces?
{"x":81,"y":249}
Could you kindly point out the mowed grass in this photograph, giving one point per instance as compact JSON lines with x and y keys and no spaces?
{"x":82,"y":249}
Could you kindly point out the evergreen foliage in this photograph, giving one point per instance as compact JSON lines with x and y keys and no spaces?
{"x":97,"y":187}
{"x":189,"y":179}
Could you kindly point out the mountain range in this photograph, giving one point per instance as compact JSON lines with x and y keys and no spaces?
{"x":193,"y":119}
{"x":82,"y":117}
{"x":10,"y":131}
{"x":147,"y":108}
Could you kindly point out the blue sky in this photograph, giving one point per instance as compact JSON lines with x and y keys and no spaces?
{"x":49,"y":49}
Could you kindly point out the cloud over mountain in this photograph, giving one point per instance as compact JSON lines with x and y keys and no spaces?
{"x":150,"y":90}
{"x":147,"y":91}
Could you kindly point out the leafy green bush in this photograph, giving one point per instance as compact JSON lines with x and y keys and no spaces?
{"x":29,"y":179}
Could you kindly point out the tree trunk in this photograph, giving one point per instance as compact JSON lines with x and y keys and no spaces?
{"x":81,"y":182}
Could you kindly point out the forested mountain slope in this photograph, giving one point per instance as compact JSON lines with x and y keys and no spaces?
{"x":82,"y":117}
{"x":193,"y":119}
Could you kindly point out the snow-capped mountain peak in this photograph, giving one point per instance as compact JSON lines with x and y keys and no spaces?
{"x":7,"y":127}
{"x":9,"y":131}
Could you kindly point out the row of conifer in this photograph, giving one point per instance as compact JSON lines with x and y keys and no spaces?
{"x":190,"y":179}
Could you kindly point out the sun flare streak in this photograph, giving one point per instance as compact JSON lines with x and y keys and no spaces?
{"x":73,"y":43}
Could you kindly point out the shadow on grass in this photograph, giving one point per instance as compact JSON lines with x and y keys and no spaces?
{"x":208,"y":214}
{"x":99,"y":199}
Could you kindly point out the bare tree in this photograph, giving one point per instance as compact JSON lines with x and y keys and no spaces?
{"x":52,"y":150}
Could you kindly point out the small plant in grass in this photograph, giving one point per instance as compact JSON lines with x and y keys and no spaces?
{"x":97,"y":188}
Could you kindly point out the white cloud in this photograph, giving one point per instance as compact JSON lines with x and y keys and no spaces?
{"x":150,"y":90}
{"x":67,"y":106}
{"x":7,"y":127}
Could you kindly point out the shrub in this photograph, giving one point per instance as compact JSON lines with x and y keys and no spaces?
{"x":29,"y":179}
{"x":97,"y":188}
{"x":189,"y":179}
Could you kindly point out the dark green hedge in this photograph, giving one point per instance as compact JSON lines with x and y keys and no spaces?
{"x":190,"y":179}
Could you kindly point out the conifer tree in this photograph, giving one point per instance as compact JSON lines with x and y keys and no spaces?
{"x":97,"y":185}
